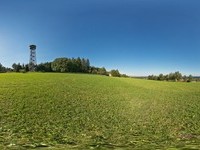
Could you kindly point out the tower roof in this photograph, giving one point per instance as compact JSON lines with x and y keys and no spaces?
{"x":32,"y":47}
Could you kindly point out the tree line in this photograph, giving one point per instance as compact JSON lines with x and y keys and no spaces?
{"x":176,"y":76}
{"x":4,"y":69}
{"x":82,"y":65}
{"x":64,"y":65}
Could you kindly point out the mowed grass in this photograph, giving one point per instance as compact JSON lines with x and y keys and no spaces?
{"x":79,"y":111}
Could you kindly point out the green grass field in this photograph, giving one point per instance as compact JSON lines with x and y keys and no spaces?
{"x":78,"y":111}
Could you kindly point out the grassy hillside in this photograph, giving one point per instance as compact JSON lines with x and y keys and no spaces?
{"x":63,"y":111}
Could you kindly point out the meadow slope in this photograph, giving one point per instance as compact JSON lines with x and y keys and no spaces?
{"x":63,"y":111}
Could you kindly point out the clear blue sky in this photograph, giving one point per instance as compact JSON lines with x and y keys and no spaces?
{"x":138,"y":37}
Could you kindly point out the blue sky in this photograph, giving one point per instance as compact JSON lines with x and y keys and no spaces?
{"x":138,"y":37}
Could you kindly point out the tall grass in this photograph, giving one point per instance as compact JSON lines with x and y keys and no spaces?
{"x":87,"y":111}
